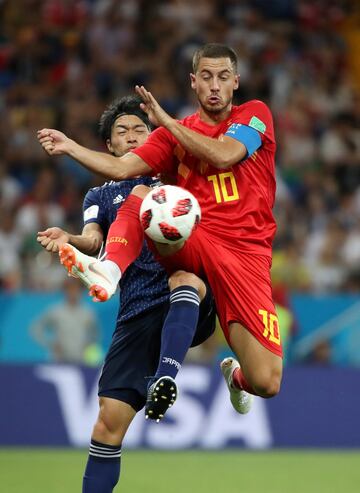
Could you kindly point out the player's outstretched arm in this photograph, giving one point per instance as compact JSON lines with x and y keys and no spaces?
{"x":56,"y":143}
{"x":89,"y":242}
{"x":220,"y":153}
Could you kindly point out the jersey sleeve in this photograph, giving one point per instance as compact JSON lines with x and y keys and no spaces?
{"x":93,"y":210}
{"x":157,"y":151}
{"x":256,"y":115}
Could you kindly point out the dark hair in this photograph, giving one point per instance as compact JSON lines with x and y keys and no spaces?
{"x":128,"y":105}
{"x":214,"y":50}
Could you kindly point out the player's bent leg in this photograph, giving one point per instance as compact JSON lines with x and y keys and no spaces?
{"x":125,"y":237}
{"x":261,"y":370}
{"x":113,"y":421}
{"x":186,"y":292}
{"x":103,"y":466}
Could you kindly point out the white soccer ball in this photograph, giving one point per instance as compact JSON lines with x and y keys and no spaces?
{"x":169,"y":214}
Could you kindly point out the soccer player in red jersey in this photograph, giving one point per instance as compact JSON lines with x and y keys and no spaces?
{"x":224,"y":155}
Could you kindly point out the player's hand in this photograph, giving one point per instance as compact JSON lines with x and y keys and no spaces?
{"x":52,"y":239}
{"x":154,"y":111}
{"x":54,"y":142}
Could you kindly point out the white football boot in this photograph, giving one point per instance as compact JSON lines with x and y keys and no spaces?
{"x":93,"y":273}
{"x":240,"y":399}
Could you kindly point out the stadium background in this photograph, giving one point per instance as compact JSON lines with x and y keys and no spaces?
{"x":61,"y":62}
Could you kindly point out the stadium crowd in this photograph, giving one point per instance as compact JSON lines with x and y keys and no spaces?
{"x":62,"y":61}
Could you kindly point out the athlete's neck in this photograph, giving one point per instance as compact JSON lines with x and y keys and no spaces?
{"x":212,"y":118}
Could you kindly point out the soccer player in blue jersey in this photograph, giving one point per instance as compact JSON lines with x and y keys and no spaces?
{"x":154,"y":328}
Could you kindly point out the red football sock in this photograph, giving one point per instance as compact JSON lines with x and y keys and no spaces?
{"x":126,"y":235}
{"x":240,"y":382}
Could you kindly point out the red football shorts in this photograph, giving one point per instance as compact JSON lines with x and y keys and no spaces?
{"x":240,"y":283}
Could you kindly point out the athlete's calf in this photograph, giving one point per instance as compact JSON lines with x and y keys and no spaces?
{"x":186,"y":293}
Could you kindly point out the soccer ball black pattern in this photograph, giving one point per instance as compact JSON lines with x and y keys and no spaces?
{"x":169,"y":214}
{"x":146,"y":219}
{"x":170,"y":232}
{"x":183,"y":207}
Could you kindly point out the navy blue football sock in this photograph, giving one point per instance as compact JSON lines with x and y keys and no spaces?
{"x":102,"y":469}
{"x":178,"y":330}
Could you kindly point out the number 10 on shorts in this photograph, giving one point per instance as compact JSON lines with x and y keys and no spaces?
{"x":271,"y":326}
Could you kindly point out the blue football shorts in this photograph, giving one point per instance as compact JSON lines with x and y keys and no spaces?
{"x":133,"y":355}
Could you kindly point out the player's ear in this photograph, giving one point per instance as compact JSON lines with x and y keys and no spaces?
{"x":193,"y":81}
{"x":237,"y":80}
{"x":109,"y":146}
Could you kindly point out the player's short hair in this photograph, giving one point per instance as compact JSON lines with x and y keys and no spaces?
{"x":127,"y":105}
{"x":214,"y":50}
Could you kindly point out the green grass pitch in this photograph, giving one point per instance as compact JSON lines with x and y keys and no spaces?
{"x":286,"y":471}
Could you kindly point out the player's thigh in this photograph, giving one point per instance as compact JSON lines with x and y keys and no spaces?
{"x":242,"y":290}
{"x":113,"y":421}
{"x":261,"y":367}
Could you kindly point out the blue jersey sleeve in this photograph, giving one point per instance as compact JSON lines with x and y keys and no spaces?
{"x":94,"y":210}
{"x":246,"y":135}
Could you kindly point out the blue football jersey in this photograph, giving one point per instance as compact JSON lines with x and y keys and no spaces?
{"x":144,"y":284}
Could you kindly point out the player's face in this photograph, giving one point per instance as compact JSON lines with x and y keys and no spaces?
{"x":128,"y":132}
{"x":214,"y":84}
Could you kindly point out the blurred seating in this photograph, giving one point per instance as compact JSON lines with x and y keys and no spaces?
{"x":300,"y":57}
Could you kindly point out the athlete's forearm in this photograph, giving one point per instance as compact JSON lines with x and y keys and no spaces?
{"x":89,"y":244}
{"x":207,"y":149}
{"x":108,"y":166}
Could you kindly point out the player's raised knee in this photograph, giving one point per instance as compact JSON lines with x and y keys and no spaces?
{"x":108,"y":431}
{"x":110,"y":425}
{"x":267,"y":384}
{"x":140,"y":191}
{"x":183,"y":278}
{"x":101,"y":430}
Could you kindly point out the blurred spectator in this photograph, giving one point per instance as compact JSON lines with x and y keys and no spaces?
{"x":321,"y":354}
{"x":324,"y":257}
{"x":351,"y":248}
{"x":10,"y":189}
{"x":69,"y":330}
{"x":62,"y":60}
{"x":43,"y":269}
{"x":10,"y":245}
{"x":289,"y":270}
{"x":40,"y":209}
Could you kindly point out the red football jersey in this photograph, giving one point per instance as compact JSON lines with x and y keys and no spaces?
{"x":237,"y":202}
